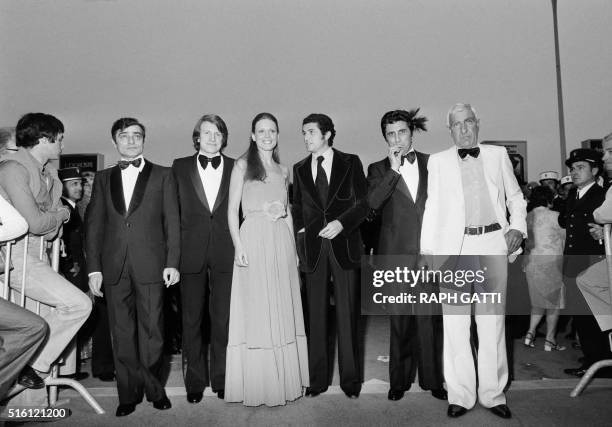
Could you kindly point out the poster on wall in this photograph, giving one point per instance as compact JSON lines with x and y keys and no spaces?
{"x":86,"y":162}
{"x":517,"y":151}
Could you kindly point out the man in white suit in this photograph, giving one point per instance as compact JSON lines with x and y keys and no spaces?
{"x":470,"y":186}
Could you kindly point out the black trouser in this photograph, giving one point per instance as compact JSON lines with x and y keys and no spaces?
{"x":102,"y":362}
{"x":205,"y":303}
{"x":135,"y":312}
{"x":346,"y":297}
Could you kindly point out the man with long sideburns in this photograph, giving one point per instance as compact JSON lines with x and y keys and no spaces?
{"x":398,"y":189}
{"x":207,"y":256}
{"x":329,"y":204}
{"x":132,"y":233}
{"x":469,"y":189}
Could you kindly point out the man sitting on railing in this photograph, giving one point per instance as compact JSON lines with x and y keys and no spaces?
{"x":594,"y":282}
{"x":21,"y":332}
{"x":31,"y":185}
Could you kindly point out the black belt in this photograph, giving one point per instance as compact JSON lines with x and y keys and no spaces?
{"x":475,"y":231}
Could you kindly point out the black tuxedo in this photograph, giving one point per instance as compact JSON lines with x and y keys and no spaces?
{"x":415,"y":340}
{"x":341,"y":256}
{"x":131,"y":246}
{"x":581,"y":251}
{"x":207,"y":260}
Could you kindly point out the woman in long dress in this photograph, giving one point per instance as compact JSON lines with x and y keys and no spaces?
{"x":267,"y":357}
{"x":544,"y":249}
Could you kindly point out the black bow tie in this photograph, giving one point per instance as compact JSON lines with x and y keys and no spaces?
{"x":411,"y":157}
{"x":204,"y":161}
{"x":125,"y":163}
{"x":474,"y":152}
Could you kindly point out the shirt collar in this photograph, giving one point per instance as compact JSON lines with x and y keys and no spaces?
{"x":583,"y":190}
{"x":327,"y":155}
{"x":73,"y":204}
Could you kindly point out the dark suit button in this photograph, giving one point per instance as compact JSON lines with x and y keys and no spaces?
{"x":571,"y":225}
{"x":572,"y":215}
{"x":128,"y":225}
{"x":571,"y":235}
{"x":571,"y":246}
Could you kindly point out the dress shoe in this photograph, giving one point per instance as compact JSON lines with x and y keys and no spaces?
{"x":501,"y":411}
{"x":78,"y":376}
{"x":351,"y":394}
{"x":106,"y":377}
{"x":194,"y":397}
{"x":28,"y":378}
{"x":125,"y":409}
{"x":311,"y":392}
{"x":577,"y":372}
{"x":395,"y":394}
{"x":455,"y":411}
{"x":163,"y":403}
{"x":221,"y":394}
{"x":440,"y":394}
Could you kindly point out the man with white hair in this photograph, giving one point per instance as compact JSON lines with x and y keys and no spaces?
{"x":470,"y":187}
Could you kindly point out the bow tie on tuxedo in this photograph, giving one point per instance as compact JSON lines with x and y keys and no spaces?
{"x":125,"y":163}
{"x":474,"y":152}
{"x":214,"y":161}
{"x":411,"y":157}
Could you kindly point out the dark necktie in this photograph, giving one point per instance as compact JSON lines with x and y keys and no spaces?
{"x":321,"y":181}
{"x":474,"y":152}
{"x":125,"y":163}
{"x":214,"y":161}
{"x":411,"y":157}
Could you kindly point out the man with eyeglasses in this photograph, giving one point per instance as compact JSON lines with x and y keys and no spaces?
{"x":207,"y":256}
{"x":470,"y":187}
{"x":132,"y":233}
{"x":397,"y":187}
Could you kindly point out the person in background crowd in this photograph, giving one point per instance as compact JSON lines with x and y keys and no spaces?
{"x":207,"y":259}
{"x":88,"y":179}
{"x":329,"y":205}
{"x":543,"y":264}
{"x":398,"y":188}
{"x":550,"y":179}
{"x":21,"y":331}
{"x":471,"y":186}
{"x":132,"y":239}
{"x":581,"y":250}
{"x":267,"y":356}
{"x":565,"y":186}
{"x":30,"y":183}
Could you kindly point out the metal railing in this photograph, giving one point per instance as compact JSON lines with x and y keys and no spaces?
{"x":52,"y":381}
{"x":588,"y":375}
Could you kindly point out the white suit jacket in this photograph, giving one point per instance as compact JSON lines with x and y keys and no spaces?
{"x":443,"y":227}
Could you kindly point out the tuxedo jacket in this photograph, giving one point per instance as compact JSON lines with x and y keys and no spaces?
{"x":346,"y":202}
{"x":73,"y":239}
{"x":147,"y":232}
{"x":401,"y":212}
{"x":444,"y":217}
{"x":205,"y":236}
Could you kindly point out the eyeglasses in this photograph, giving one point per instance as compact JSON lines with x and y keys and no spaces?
{"x":136,"y":137}
{"x":399,"y":133}
{"x":469,"y":122}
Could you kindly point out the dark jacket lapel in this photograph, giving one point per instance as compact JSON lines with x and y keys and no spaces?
{"x":197,"y":182}
{"x":225,"y":179}
{"x":305,"y":172}
{"x":116,"y":187}
{"x":139,"y":188}
{"x":422,"y":191}
{"x":338,"y":172}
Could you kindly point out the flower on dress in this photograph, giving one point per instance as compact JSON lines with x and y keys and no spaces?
{"x":275,"y":209}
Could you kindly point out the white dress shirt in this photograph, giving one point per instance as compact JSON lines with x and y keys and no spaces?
{"x":211,"y":179}
{"x":584,"y":189}
{"x":328,"y":158}
{"x":410,"y":173}
{"x":129,"y":176}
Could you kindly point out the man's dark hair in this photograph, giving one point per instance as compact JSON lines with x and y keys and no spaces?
{"x":215,"y":120}
{"x":124,"y":123}
{"x":541,"y":196}
{"x":324,"y":123}
{"x":34,"y":126}
{"x":414,"y":122}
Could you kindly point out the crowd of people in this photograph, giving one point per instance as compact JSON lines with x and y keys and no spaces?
{"x":242,"y":246}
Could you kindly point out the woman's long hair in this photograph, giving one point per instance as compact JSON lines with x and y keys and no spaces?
{"x":255,"y":170}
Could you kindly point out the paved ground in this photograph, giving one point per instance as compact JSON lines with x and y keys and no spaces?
{"x":539,"y":395}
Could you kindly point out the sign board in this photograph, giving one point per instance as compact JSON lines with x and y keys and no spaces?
{"x":92,"y":162}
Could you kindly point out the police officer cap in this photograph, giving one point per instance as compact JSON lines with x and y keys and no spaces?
{"x":584,"y":155}
{"x":566,"y":180}
{"x":68,"y":174}
{"x":549,"y":175}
